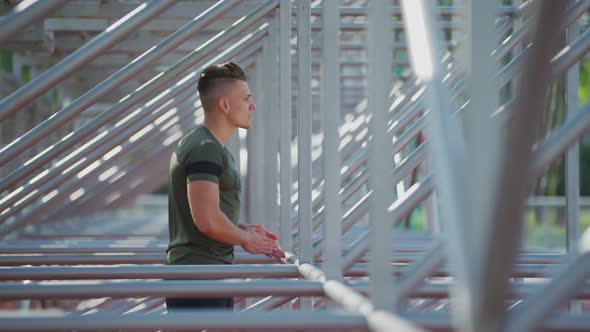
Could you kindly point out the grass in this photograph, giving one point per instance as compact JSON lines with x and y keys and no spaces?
{"x":541,"y":230}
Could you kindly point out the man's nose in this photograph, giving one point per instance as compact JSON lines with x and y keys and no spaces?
{"x":252,"y":106}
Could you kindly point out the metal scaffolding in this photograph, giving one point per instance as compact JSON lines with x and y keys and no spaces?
{"x":369,"y":113}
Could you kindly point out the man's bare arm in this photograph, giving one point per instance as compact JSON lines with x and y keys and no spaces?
{"x":203,"y":197}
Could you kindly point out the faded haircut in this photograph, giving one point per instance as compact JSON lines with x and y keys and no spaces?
{"x":216,"y":77}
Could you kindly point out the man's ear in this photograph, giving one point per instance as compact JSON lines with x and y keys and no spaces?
{"x":222,"y":104}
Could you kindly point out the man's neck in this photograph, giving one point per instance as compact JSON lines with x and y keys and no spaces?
{"x":221,"y":131}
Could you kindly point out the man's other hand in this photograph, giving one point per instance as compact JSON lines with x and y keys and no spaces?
{"x":262,"y":241}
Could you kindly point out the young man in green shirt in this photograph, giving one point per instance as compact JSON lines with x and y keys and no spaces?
{"x":204,"y":198}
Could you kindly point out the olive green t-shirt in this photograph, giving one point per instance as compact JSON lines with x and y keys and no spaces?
{"x":199,"y":156}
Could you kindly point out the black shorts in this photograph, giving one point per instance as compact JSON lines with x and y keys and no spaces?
{"x":175,"y":305}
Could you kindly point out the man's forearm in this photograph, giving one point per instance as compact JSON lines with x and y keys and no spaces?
{"x":223,"y":230}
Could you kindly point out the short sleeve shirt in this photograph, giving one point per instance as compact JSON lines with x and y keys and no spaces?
{"x":199,"y":156}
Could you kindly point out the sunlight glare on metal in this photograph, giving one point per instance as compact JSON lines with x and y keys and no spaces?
{"x":88,"y":169}
{"x":419,"y":39}
{"x":165,"y":116}
{"x":170,"y":123}
{"x":49,"y":196}
{"x":127,"y":17}
{"x":77,"y":194}
{"x":12,"y":194}
{"x":113,"y":152}
{"x":141,"y":133}
{"x":108,"y":173}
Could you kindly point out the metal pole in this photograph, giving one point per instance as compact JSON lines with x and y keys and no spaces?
{"x":148,"y":89}
{"x":209,"y":320}
{"x":106,"y":187}
{"x":120,"y":77}
{"x":537,"y":307}
{"x":492,"y":263}
{"x":304,"y":136}
{"x":148,"y":272}
{"x":572,"y":160}
{"x":379,"y":320}
{"x":114,"y":33}
{"x":330,"y":107}
{"x":25,"y":14}
{"x":379,"y":163}
{"x":114,"y":136}
{"x":285,"y":118}
{"x":304,"y":128}
{"x":162,"y":288}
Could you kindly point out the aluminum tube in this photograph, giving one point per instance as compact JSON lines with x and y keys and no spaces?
{"x":566,"y":19}
{"x":421,"y":269}
{"x":330,"y":108}
{"x":100,"y":187}
{"x":103,"y":188}
{"x":304,"y":129}
{"x":40,"y":211}
{"x":379,"y":155}
{"x":167,"y":288}
{"x":490,"y":264}
{"x":148,"y":272}
{"x":411,"y":275}
{"x":114,"y":136}
{"x":210,"y":320}
{"x":357,"y":211}
{"x":559,"y":64}
{"x":25,"y":14}
{"x":572,"y":160}
{"x":379,"y":320}
{"x":441,"y":291}
{"x":438,"y":321}
{"x":241,"y":258}
{"x":285,"y":136}
{"x":120,"y":77}
{"x":536,"y":308}
{"x":94,"y":48}
{"x":400,"y":209}
{"x":148,"y":89}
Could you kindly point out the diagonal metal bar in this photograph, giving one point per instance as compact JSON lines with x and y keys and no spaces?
{"x":108,"y":140}
{"x":146,"y":90}
{"x":400,"y":209}
{"x":209,"y":320}
{"x":491,"y":263}
{"x":25,"y":14}
{"x":535,"y":309}
{"x":117,"y":79}
{"x":113,"y":34}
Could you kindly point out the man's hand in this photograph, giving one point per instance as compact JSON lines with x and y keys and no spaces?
{"x":261,"y":241}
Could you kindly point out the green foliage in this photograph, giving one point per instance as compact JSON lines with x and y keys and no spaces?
{"x":6,"y":61}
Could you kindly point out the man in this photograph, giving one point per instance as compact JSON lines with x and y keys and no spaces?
{"x":204,"y":198}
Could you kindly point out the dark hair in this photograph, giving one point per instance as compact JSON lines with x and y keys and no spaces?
{"x":223,"y":72}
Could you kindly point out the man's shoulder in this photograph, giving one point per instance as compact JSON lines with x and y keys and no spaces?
{"x":197,"y":145}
